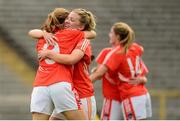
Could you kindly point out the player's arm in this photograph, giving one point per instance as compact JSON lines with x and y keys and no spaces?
{"x":67,"y":59}
{"x":37,"y":34}
{"x":90,"y":34}
{"x":138,"y":80}
{"x":101,"y":70}
{"x":142,"y":79}
{"x":105,"y":64}
{"x":94,"y":70}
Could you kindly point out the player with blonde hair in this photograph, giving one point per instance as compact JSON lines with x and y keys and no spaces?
{"x":125,"y":64}
{"x":83,"y":20}
{"x":53,"y":90}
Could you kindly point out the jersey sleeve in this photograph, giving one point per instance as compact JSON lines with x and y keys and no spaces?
{"x":83,"y":45}
{"x":100,"y":58}
{"x":139,"y":49}
{"x":112,"y":61}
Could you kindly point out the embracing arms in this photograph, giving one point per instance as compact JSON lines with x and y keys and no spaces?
{"x":99,"y":71}
{"x":67,"y":59}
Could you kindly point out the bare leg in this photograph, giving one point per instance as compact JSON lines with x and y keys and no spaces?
{"x":40,"y":116}
{"x":75,"y":115}
{"x":59,"y":118}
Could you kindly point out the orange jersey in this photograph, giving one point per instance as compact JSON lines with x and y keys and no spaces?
{"x":109,"y":82}
{"x":127,"y":66}
{"x":81,"y":80}
{"x":49,"y":71}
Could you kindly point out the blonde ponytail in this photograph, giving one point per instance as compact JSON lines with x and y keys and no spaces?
{"x":126,"y":34}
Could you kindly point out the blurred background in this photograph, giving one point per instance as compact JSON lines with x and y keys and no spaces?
{"x":155,"y":22}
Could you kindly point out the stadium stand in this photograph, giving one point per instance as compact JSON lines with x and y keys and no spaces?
{"x":156,"y":24}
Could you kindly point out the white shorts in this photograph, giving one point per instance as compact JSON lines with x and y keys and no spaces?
{"x":88,"y":105}
{"x":111,"y":110}
{"x":138,"y":107}
{"x":55,"y":98}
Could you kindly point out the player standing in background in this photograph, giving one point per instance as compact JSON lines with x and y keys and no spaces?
{"x":53,"y":90}
{"x":83,"y":20}
{"x":111,"y":109}
{"x":125,"y":62}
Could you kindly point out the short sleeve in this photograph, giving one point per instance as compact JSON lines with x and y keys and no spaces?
{"x":100,"y":58}
{"x":83,"y":45}
{"x":113,"y":60}
{"x":138,"y":48}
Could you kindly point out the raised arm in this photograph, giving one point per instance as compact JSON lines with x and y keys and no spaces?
{"x":35,"y":33}
{"x":90,"y":34}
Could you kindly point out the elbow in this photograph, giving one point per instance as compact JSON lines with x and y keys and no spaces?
{"x":30,"y":33}
{"x":94,"y":34}
{"x":35,"y":33}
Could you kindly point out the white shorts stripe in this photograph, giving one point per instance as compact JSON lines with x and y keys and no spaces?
{"x":89,"y":106}
{"x":141,"y":106}
{"x":111,"y":110}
